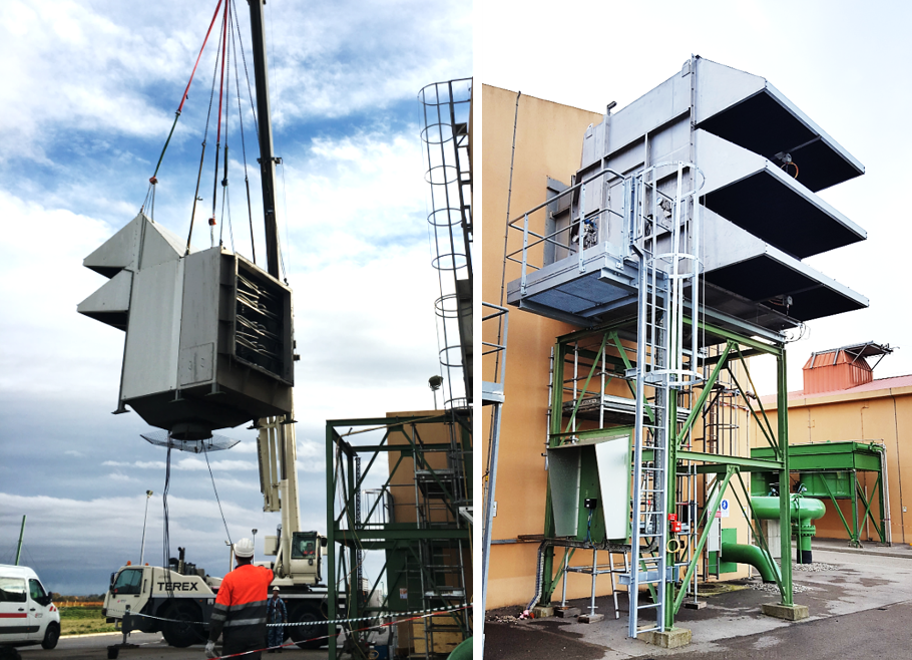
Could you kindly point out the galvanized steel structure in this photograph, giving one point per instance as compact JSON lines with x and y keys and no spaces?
{"x":678,"y":246}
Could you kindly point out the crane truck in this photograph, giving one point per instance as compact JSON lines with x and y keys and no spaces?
{"x":177,"y":600}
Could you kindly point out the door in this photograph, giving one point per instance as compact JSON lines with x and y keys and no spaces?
{"x":126,"y":591}
{"x":39,"y":610}
{"x":14,"y":620}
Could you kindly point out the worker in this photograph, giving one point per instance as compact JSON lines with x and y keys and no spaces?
{"x":239,"y":614}
{"x":275,"y":614}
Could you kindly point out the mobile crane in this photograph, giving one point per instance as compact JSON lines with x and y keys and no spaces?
{"x":178,"y":600}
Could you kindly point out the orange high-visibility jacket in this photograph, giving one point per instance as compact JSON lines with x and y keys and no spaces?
{"x":240,"y":607}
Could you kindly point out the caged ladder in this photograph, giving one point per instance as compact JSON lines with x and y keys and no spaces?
{"x":663,"y":222}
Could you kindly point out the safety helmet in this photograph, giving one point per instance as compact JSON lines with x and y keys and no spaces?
{"x":243,"y":548}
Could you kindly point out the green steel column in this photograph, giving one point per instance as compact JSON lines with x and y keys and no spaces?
{"x":671,"y":498}
{"x":784,"y":500}
{"x":856,"y":533}
{"x":557,"y":383}
{"x":331,"y":590}
{"x":353,"y":600}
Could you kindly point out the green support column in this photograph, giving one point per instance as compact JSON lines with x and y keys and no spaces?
{"x":856,"y":532}
{"x":671,"y":498}
{"x":785,"y":520}
{"x":332,"y":593}
{"x":557,"y":381}
{"x":352,"y":598}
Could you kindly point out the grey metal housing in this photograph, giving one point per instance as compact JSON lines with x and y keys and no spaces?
{"x":743,"y":142}
{"x":208,"y":335}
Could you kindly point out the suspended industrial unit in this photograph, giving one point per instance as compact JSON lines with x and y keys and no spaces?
{"x":677,"y":246}
{"x":208,"y":333}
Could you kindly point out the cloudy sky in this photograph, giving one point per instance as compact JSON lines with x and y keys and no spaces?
{"x":845,"y":64}
{"x":89,"y":92}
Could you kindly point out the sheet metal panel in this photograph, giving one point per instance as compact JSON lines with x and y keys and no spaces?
{"x":564,"y":480}
{"x":613,"y":459}
{"x":150,"y":353}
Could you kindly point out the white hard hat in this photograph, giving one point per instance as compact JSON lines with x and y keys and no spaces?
{"x":243,"y":548}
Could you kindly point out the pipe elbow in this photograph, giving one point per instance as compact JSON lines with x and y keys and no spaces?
{"x":749,"y":554}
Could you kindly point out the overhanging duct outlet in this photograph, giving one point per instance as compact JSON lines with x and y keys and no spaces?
{"x":757,"y":162}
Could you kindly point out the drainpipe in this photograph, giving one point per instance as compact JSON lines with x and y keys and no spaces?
{"x":885,"y":484}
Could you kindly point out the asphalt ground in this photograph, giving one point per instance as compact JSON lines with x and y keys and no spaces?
{"x":860,"y":607}
{"x":149,"y":646}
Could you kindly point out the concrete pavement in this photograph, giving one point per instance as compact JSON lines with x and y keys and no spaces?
{"x":873,"y":584}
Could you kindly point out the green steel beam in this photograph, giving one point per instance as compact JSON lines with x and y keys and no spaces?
{"x":426,"y":447}
{"x":630,"y":384}
{"x":557,"y":380}
{"x":613,"y":326}
{"x":704,"y":394}
{"x":332,"y":595}
{"x":585,"y":389}
{"x":867,"y":505}
{"x":853,"y":537}
{"x":757,"y":345}
{"x":713,"y":460}
{"x":402,"y":534}
{"x":713,"y":359}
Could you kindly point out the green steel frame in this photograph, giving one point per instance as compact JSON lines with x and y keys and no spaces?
{"x":737,"y":347}
{"x":349,"y":532}
{"x":831,"y":470}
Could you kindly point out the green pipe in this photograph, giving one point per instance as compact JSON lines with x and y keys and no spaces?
{"x":802,"y":511}
{"x":802,"y":508}
{"x":463,"y":651}
{"x":749,"y":554}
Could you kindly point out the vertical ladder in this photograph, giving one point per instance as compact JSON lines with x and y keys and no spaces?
{"x":438,"y":494}
{"x":649,"y":517}
{"x":665,"y":236}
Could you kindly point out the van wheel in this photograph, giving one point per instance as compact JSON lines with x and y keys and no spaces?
{"x":51,"y":635}
{"x":184,"y":628}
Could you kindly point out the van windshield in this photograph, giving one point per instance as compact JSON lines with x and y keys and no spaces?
{"x":128,"y":582}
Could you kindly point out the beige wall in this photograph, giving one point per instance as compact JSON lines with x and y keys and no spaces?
{"x":883,"y":416}
{"x":548,"y":143}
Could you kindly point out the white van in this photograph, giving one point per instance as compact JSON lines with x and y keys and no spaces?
{"x":27,"y":615}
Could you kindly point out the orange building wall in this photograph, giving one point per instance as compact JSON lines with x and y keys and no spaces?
{"x":883,"y":416}
{"x":548,"y":143}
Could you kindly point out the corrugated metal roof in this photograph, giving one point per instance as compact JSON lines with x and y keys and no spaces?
{"x":875,"y":385}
